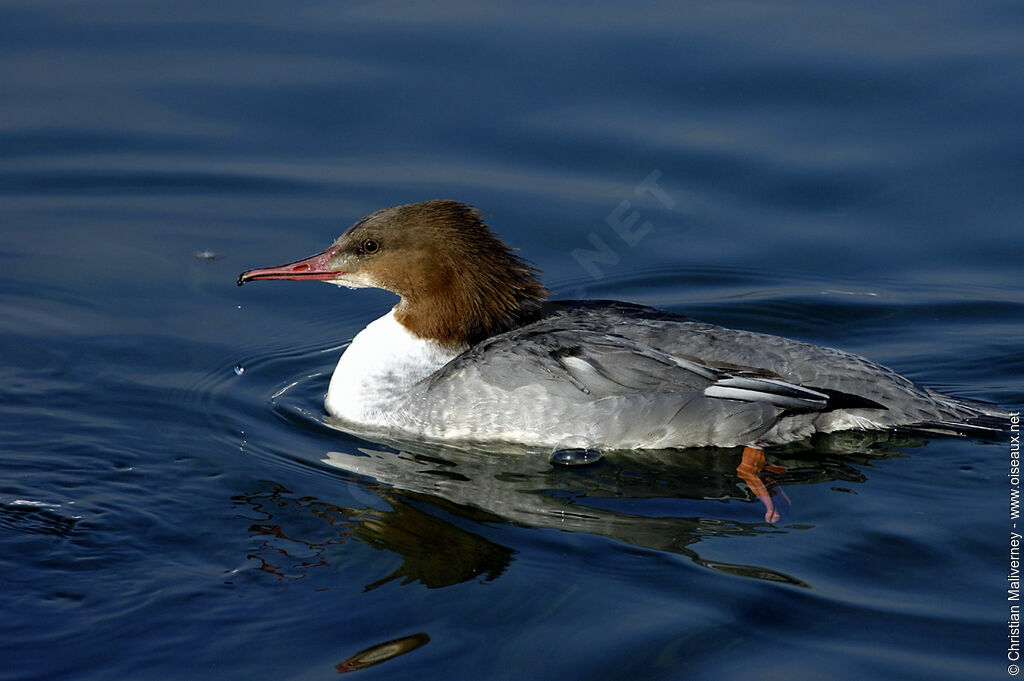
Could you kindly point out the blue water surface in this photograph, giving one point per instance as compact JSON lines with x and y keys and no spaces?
{"x":173,"y":503}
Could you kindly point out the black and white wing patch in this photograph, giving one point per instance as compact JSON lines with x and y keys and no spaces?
{"x":771,"y":390}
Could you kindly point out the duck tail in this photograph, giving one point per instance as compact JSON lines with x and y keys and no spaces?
{"x":971,"y":418}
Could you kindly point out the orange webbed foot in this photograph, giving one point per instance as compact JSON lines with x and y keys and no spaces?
{"x":764,"y":488}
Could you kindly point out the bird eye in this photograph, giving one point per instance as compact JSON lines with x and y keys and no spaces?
{"x":370,"y":246}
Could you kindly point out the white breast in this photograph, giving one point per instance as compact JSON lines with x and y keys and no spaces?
{"x":382,"y":363}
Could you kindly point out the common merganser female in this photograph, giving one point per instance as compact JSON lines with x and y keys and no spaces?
{"x":472,"y":352}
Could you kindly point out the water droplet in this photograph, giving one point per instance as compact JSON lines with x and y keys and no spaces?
{"x":239,"y":369}
{"x":575,"y":457}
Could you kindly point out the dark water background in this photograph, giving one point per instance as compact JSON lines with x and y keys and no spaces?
{"x":847,"y":173}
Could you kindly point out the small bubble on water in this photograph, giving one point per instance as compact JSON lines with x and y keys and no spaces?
{"x":239,"y":369}
{"x":575,"y":457}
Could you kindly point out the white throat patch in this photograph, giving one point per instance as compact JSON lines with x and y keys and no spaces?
{"x":383,"y":361}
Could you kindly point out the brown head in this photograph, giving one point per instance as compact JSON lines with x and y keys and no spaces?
{"x":458,"y":282}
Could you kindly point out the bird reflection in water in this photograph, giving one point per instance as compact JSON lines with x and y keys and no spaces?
{"x":426,"y":486}
{"x":435,"y":553}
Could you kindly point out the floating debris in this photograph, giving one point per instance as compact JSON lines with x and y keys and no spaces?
{"x":382,"y":653}
{"x":239,"y":369}
{"x":575,"y":457}
{"x":206,"y":254}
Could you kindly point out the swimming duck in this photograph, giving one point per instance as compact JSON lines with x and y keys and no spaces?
{"x":473,"y":351}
